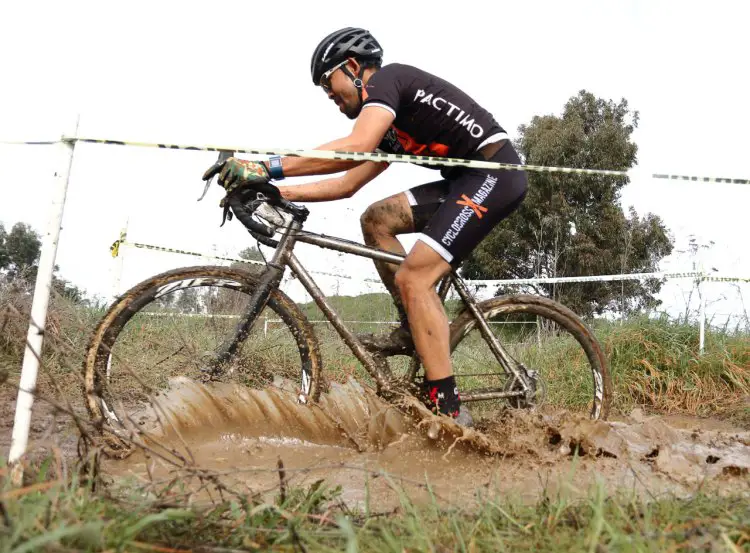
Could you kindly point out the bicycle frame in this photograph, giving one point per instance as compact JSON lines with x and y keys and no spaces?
{"x":284,"y":257}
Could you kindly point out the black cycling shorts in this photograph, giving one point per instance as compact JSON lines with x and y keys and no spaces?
{"x":456,"y":213}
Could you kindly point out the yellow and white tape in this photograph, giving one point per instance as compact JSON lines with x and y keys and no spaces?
{"x":609,"y":278}
{"x":114,"y":249}
{"x":383,"y":157}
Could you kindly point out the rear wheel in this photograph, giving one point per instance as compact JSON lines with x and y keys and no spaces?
{"x":548,"y":339}
{"x":174,"y":324}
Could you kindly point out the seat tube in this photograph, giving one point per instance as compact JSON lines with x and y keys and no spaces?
{"x":347,"y":336}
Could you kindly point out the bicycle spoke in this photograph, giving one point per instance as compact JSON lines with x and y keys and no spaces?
{"x":551,"y":347}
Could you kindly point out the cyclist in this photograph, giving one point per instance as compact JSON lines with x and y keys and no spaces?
{"x":402,"y":109}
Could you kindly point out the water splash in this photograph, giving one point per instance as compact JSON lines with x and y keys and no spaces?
{"x":348,"y":414}
{"x":233,"y":428}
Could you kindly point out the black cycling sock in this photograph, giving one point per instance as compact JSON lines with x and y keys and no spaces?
{"x":443,"y":395}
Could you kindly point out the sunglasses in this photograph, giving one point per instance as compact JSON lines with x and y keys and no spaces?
{"x":325,"y":78}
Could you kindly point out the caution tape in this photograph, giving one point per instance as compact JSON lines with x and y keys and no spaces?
{"x":30,"y":142}
{"x":382,"y":157}
{"x":726,"y":279}
{"x":115,"y":251}
{"x":608,"y":278}
{"x":726,"y":180}
{"x":398,"y":158}
{"x":363,"y":156}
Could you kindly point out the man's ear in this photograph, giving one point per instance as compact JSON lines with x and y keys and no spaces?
{"x":354,"y":66}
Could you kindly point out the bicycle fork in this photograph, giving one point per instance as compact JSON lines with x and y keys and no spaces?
{"x":269,"y":281}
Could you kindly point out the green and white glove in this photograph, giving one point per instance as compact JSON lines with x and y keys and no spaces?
{"x":235,"y":174}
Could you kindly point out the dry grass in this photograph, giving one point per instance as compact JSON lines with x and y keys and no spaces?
{"x":67,"y":330}
{"x":655,"y":363}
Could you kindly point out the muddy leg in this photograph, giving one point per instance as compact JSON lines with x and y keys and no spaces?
{"x":381,"y":222}
{"x":416,"y":279}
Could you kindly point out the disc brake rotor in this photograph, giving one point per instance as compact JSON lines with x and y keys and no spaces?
{"x":534,"y":398}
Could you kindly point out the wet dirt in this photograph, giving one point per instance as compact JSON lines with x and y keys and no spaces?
{"x":376,"y":451}
{"x":50,"y":429}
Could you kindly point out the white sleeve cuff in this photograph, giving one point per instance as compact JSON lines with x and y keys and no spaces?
{"x":380,"y":105}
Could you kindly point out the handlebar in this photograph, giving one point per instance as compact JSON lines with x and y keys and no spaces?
{"x":243,"y":208}
{"x":260,"y":231}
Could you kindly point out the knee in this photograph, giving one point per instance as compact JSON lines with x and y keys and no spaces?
{"x":408,"y":281}
{"x":376,"y":220}
{"x":401,"y":279}
{"x":370,"y":219}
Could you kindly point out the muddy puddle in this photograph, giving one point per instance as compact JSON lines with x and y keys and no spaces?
{"x":375,"y":451}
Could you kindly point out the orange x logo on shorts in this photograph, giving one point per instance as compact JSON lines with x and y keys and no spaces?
{"x":478,"y":209}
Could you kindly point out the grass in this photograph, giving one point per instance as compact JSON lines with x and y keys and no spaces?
{"x":54,"y":515}
{"x":655,"y":363}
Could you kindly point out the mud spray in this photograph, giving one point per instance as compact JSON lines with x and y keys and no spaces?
{"x":371,"y":449}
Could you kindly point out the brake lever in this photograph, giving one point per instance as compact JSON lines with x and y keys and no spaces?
{"x":205,"y":190}
{"x":223,"y":156}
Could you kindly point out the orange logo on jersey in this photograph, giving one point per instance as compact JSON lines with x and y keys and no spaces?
{"x":414,"y":147}
{"x":468,"y":202}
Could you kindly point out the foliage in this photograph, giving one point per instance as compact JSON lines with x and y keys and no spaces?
{"x":19,"y":248}
{"x":251,"y":253}
{"x":572,"y":224}
{"x":19,"y":259}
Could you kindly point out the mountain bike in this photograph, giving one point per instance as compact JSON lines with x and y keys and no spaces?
{"x":205,"y":322}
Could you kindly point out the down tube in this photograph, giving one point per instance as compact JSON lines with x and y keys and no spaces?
{"x":349,"y":339}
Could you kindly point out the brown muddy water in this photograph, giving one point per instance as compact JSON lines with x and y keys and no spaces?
{"x":376,"y":452}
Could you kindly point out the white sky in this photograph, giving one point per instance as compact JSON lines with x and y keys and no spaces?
{"x":237,"y":73}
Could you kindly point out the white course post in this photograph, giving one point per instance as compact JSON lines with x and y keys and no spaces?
{"x":702,"y":315}
{"x":42,"y":289}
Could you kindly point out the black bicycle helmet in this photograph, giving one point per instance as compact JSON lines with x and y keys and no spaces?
{"x":350,"y":42}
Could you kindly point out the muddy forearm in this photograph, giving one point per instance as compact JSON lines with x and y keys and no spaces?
{"x":321,"y":191}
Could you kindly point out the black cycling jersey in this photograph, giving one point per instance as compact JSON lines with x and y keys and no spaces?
{"x":433,"y":117}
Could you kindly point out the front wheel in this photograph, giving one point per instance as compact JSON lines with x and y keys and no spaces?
{"x":175,"y":324}
{"x":550,"y":341}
